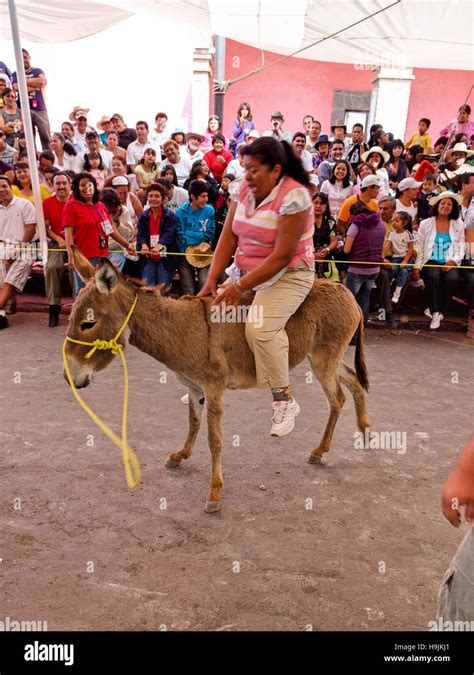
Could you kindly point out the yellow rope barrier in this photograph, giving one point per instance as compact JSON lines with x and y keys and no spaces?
{"x":347,"y":262}
{"x":131,"y":464}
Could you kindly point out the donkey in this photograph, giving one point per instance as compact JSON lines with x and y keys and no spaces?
{"x":209,"y":357}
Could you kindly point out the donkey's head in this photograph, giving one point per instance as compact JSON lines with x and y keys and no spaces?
{"x":98,"y":313}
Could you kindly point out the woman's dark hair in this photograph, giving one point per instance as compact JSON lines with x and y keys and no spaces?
{"x":92,"y":155}
{"x":75,"y":186}
{"x":110,"y":198}
{"x":414,"y":151}
{"x":378,"y":135}
{"x":142,"y":160}
{"x":465,"y":108}
{"x":359,"y":207}
{"x":69,"y":149}
{"x":270,"y":152}
{"x":6,"y":91}
{"x":111,"y":131}
{"x":373,"y":130}
{"x":69,"y":124}
{"x":197,"y":187}
{"x":167,"y":184}
{"x":325,"y":200}
{"x":170,"y":167}
{"x":244,"y":105}
{"x":406,"y":220}
{"x":20,"y":165}
{"x":455,"y":211}
{"x":195,"y":169}
{"x":218,"y":137}
{"x":347,"y":178}
{"x":397,"y":143}
{"x":156,"y":187}
{"x":457,"y":138}
{"x":214,"y":117}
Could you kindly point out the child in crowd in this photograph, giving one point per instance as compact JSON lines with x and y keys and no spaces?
{"x":94,"y":165}
{"x":224,"y":191}
{"x":400,"y":243}
{"x":147,"y":169}
{"x":422,"y":137}
{"x":429,"y":190}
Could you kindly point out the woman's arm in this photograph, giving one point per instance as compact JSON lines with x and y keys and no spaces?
{"x":459,"y":488}
{"x":348,"y":244}
{"x":139,"y":177}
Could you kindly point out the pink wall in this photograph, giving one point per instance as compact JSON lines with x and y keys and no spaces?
{"x":438,"y":95}
{"x":296,"y":87}
{"x":299,"y":86}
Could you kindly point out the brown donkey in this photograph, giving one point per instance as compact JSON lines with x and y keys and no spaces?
{"x":209,"y":357}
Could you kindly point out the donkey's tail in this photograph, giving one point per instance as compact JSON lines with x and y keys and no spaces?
{"x":360,"y":365}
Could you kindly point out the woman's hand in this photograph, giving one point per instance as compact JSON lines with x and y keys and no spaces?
{"x":321,"y":253}
{"x":221,"y":159}
{"x":230,"y":295}
{"x":144,"y":249}
{"x":458,"y":491}
{"x":209,"y":288}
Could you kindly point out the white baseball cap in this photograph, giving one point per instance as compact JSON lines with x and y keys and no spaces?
{"x":371,"y":180}
{"x":408,"y":183}
{"x":119,"y":180}
{"x":253,"y":134}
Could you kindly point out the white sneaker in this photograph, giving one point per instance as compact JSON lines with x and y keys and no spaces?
{"x":283,"y":420}
{"x":396,"y":294}
{"x":185,"y":399}
{"x":436,"y":320}
{"x":428,"y":313}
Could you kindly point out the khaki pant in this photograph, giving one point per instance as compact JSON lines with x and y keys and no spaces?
{"x":53,"y":274}
{"x":456,"y":595}
{"x":265,"y":326}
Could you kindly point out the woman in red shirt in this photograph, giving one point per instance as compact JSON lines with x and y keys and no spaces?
{"x":88,"y":225}
{"x":218,"y":158}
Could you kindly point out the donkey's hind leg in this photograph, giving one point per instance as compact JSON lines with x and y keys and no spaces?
{"x":326,"y":371}
{"x":196,"y":405}
{"x":348,"y":377}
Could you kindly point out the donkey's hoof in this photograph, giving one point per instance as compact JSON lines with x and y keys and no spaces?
{"x":315,"y":459}
{"x":212,"y":507}
{"x":172,"y":463}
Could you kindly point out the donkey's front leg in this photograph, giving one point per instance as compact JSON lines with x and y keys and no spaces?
{"x":196,"y":404}
{"x":215,"y":433}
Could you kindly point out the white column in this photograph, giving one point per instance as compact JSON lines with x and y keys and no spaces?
{"x":391,"y":88}
{"x":201,"y":83}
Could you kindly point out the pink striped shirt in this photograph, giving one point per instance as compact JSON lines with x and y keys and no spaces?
{"x":256,"y":227}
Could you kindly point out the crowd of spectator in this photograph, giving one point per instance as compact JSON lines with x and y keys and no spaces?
{"x":388,"y":212}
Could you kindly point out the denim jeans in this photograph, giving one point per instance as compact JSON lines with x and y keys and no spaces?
{"x":400,"y":274}
{"x":187,"y":277}
{"x":360,"y":286}
{"x":118,"y":259}
{"x":154,"y":273}
{"x":78,"y":282}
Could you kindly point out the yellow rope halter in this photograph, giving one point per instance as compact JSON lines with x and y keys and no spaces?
{"x":130,"y":462}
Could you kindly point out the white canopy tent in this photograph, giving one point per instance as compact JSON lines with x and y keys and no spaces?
{"x":399,"y":33}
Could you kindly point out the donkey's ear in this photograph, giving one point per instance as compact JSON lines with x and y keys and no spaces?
{"x":106,"y":276}
{"x":82,"y":265}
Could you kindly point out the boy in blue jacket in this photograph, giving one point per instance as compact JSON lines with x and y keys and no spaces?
{"x":157,"y":236}
{"x":196,"y":224}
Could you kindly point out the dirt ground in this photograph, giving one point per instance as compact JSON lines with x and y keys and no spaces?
{"x":356,"y":544}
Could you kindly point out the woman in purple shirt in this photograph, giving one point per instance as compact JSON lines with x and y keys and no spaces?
{"x":242,"y":125}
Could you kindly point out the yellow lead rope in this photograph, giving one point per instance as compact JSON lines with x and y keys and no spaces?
{"x":130,"y":462}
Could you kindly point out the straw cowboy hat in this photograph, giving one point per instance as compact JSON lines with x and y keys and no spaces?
{"x":199,"y":260}
{"x":103,"y":120}
{"x":442,"y":195}
{"x":194,"y":134}
{"x":385,"y":156}
{"x":461,"y":147}
{"x":76,"y":110}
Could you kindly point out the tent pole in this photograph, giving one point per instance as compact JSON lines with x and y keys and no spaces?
{"x":219,"y":74}
{"x":28,"y":127}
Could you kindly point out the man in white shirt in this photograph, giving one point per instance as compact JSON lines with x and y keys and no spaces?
{"x":192,"y":149}
{"x":17,"y":226}
{"x":299,"y":143}
{"x":136,"y":149}
{"x":181,"y":165}
{"x":93,"y":145}
{"x":158,"y":135}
